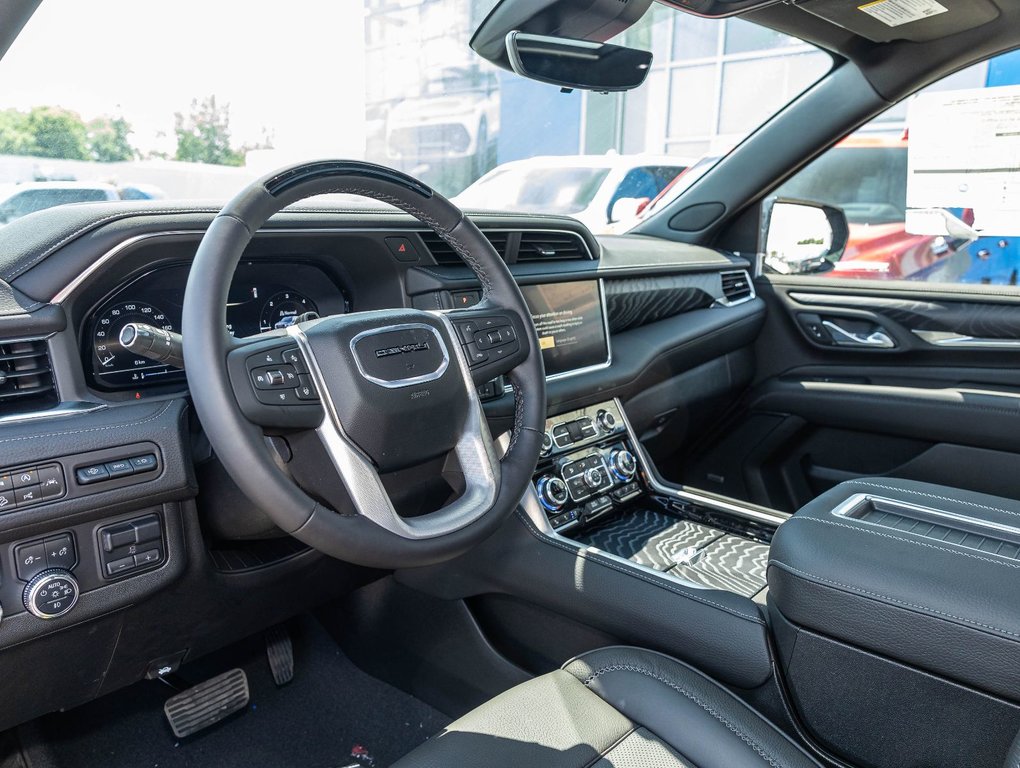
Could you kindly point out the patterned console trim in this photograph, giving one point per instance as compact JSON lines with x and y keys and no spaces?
{"x":730,"y":563}
{"x":690,"y":551}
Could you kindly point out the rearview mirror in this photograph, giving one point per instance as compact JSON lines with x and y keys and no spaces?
{"x":803,"y":237}
{"x":577,"y":64}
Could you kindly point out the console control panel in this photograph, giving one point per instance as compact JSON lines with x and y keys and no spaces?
{"x":26,"y":486}
{"x":589,"y":467}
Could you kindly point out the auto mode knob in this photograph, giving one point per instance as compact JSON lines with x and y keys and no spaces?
{"x":552,"y":492}
{"x":51,"y":593}
{"x":623,"y":464}
{"x":593,"y":477}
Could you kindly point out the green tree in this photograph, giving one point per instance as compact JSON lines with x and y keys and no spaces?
{"x":204,"y":135}
{"x":15,"y":136}
{"x":58,"y":133}
{"x":108,"y":140}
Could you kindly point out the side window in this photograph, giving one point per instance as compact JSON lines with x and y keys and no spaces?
{"x":930,"y":188}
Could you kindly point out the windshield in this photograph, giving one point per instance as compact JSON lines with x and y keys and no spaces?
{"x":206,"y":107}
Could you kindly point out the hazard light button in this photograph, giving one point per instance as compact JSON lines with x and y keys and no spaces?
{"x":402,"y":248}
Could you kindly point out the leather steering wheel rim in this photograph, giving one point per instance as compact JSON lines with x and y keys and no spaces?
{"x":240,"y":444}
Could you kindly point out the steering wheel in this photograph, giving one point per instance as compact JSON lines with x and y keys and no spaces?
{"x":388,"y":396}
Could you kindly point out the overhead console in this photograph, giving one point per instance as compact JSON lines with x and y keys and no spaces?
{"x":899,"y":600}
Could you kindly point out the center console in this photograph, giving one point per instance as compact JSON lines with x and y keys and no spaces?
{"x":898,"y":599}
{"x":594,"y":487}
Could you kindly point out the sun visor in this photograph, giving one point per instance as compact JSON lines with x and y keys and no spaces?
{"x":916,"y":20}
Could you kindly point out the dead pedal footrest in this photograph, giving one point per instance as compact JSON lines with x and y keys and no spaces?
{"x":207,"y":703}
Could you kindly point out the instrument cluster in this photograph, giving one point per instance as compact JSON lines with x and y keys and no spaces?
{"x":263,"y":296}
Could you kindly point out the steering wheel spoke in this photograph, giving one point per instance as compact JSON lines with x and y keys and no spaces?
{"x":494,"y":340}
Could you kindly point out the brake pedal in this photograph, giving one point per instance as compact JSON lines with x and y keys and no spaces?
{"x":280,"y":652}
{"x":207,"y":703}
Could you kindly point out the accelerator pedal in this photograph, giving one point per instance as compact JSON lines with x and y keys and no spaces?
{"x":280,"y":652}
{"x":207,"y":703}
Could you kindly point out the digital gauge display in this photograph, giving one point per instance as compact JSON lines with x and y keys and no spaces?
{"x":255,"y":305}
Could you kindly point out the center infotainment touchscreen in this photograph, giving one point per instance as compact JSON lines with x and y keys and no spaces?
{"x":570,"y":321}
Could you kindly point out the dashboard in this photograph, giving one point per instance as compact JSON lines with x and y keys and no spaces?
{"x":264,"y":295}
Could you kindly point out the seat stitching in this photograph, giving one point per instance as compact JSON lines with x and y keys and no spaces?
{"x":934,"y":496}
{"x":92,"y":429}
{"x":861,"y":591}
{"x":861,"y":529}
{"x":687,"y":694}
{"x":632,"y":573}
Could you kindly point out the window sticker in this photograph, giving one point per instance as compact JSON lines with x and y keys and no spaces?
{"x":894,"y":13}
{"x":964,"y":155}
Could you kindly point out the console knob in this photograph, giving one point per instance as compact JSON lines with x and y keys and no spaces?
{"x":605,"y":420}
{"x":593,"y":477}
{"x":552,"y":492}
{"x":623,"y":464}
{"x":547,"y":443}
{"x":51,"y":593}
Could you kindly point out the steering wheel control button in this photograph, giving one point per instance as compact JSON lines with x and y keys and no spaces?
{"x":30,"y":559}
{"x":274,"y":377}
{"x":51,"y":593}
{"x":131,"y":545}
{"x":295,"y":359}
{"x":306,"y":388}
{"x":92,"y":474}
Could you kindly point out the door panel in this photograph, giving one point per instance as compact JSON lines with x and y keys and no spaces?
{"x":824,"y":409}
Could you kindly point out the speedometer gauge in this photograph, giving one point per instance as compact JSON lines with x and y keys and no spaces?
{"x":283,"y":308}
{"x":115,"y":366}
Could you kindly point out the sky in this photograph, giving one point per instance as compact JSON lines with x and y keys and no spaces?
{"x":295,"y":68}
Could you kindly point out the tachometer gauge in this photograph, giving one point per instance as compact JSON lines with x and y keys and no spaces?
{"x":283,"y":308}
{"x":115,"y":366}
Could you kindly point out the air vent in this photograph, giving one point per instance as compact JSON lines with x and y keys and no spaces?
{"x":539,"y":246}
{"x":736,"y":286}
{"x":445,"y":255}
{"x":26,"y":381}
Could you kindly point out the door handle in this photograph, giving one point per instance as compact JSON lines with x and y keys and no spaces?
{"x":878,"y":338}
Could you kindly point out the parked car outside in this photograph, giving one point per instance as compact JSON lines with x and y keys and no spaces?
{"x":17,"y":200}
{"x":586,"y":187}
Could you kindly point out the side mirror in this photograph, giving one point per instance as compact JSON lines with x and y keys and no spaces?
{"x":577,"y":64}
{"x":803,"y":237}
{"x":627,"y":208}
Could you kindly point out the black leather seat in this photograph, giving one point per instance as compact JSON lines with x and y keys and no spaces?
{"x":613,"y":708}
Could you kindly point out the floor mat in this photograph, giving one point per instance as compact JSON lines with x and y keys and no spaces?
{"x":331,"y":715}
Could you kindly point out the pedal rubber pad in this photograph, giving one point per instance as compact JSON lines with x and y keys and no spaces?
{"x":280,"y":652}
{"x":207,"y":703}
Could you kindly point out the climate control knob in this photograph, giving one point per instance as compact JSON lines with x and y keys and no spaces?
{"x":552,"y":492}
{"x":623,"y":464}
{"x":50,"y":594}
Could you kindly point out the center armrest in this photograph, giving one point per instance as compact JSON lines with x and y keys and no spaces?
{"x":919,"y":573}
